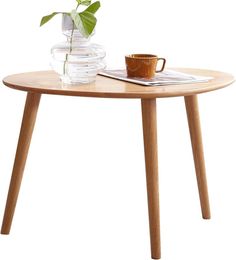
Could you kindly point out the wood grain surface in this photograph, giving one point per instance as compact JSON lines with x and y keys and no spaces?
{"x":27,"y":127}
{"x":48,"y":82}
{"x":193,"y":116}
{"x":151,"y":162}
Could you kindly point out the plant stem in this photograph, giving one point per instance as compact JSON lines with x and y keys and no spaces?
{"x":71,"y":48}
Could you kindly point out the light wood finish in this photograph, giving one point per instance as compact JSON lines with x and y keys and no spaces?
{"x":191,"y":103}
{"x":150,"y":147}
{"x":48,"y":82}
{"x":28,"y":121}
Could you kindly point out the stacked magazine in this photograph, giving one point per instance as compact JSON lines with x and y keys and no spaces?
{"x":167,"y":77}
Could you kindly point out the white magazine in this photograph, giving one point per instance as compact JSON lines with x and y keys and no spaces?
{"x":166,"y":77}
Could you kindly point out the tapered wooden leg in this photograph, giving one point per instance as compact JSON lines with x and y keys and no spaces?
{"x":191,"y":104}
{"x":27,"y":126}
{"x":150,"y":147}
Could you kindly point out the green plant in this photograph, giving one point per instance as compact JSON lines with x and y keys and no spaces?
{"x":84,"y":21}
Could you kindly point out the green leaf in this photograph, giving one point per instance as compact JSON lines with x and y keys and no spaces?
{"x":84,"y":2}
{"x":84,"y":21}
{"x":93,"y":7}
{"x":47,"y":18}
{"x":89,"y":22}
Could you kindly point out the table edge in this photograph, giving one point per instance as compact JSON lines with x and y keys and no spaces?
{"x":120,"y":95}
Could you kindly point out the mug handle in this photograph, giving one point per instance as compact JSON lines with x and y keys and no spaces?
{"x":163,"y":64}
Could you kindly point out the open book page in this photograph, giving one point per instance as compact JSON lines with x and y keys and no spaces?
{"x":167,"y":77}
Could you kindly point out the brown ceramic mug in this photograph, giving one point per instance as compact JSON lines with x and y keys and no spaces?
{"x":143,"y":65}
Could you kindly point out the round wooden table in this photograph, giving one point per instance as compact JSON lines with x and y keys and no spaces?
{"x":48,"y":82}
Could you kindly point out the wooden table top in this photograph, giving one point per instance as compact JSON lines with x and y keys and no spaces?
{"x":48,"y":82}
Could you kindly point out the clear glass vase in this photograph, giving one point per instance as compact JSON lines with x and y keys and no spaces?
{"x":76,"y":60}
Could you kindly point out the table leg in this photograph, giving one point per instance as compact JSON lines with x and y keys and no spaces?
{"x":27,"y":126}
{"x":191,"y":103}
{"x":150,"y":148}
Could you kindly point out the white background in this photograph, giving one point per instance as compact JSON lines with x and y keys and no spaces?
{"x":83,"y":194}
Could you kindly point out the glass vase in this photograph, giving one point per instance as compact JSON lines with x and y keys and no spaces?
{"x":76,"y":60}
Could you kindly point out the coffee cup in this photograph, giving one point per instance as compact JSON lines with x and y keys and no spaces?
{"x":143,"y":65}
